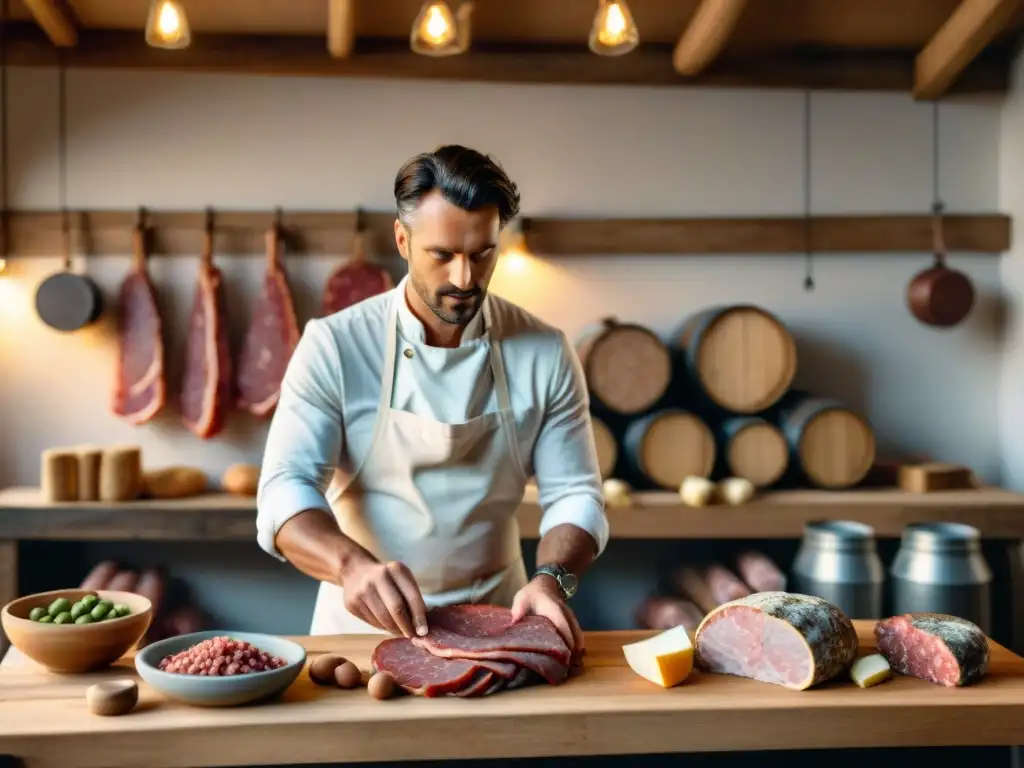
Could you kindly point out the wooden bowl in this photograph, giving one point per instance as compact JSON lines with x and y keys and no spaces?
{"x":73,"y":648}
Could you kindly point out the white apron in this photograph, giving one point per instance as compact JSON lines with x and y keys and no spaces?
{"x":440,"y":498}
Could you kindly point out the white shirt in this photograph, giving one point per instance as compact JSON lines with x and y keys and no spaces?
{"x":548,"y":393}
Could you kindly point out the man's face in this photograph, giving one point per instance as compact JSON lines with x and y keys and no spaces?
{"x":451,"y":255}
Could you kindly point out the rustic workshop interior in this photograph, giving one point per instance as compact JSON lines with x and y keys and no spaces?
{"x":780,"y":238}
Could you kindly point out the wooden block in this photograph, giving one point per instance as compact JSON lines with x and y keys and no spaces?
{"x":89,"y":458}
{"x":935,"y":476}
{"x":59,"y":474}
{"x":121,"y":473}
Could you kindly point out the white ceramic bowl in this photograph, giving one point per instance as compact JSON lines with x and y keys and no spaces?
{"x":224,"y":691}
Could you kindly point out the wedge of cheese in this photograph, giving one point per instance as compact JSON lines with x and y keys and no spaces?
{"x":666,"y":659}
{"x":870,"y":670}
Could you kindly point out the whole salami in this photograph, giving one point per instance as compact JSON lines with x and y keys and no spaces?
{"x":271,"y":338}
{"x":140,"y":389}
{"x":355,"y":280}
{"x":207,"y":384}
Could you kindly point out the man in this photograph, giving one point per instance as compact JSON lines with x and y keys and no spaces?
{"x":409,"y":424}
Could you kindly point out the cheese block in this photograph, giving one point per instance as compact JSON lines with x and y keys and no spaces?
{"x":666,"y":659}
{"x":870,"y":670}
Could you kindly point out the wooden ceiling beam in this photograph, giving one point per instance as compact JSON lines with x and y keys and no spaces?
{"x":341,"y":28}
{"x":649,"y":65}
{"x":971,"y":27}
{"x":54,"y":17}
{"x":706,"y":35}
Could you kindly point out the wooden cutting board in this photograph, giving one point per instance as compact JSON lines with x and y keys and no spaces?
{"x":606,"y":710}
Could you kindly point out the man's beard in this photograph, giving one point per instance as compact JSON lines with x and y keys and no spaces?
{"x":464,"y":309}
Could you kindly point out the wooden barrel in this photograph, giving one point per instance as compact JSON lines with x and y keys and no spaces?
{"x":833,"y":446}
{"x":754,"y":448}
{"x":669,"y":445}
{"x":607,"y":447}
{"x":627,"y":367}
{"x":741,"y":357}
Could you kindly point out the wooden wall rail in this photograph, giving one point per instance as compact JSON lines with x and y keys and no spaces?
{"x":649,"y":65}
{"x":179,"y":233}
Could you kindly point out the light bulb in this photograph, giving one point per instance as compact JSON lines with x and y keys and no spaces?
{"x":167,"y":25}
{"x":437,"y":32}
{"x":614,"y":32}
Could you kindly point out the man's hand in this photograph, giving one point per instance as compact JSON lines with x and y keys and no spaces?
{"x":542,"y":597}
{"x":385,"y":596}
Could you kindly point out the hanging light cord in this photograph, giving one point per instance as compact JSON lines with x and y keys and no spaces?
{"x":5,"y":232}
{"x":63,"y":162}
{"x":938,"y":236}
{"x":809,"y":258}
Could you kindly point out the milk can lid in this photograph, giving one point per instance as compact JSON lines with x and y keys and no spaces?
{"x":940,"y":535}
{"x":837,"y":532}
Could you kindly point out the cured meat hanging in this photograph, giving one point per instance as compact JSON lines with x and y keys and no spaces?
{"x":357,"y":279}
{"x":140,"y":388}
{"x":206,"y":385}
{"x":271,"y":338}
{"x":475,"y":650}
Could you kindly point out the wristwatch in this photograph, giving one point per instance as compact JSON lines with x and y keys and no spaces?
{"x":568,"y":584}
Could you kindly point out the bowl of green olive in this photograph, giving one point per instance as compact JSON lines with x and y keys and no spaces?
{"x":76,"y":630}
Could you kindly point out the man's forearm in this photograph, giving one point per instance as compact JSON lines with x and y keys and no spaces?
{"x":313,"y":543}
{"x":568,"y":546}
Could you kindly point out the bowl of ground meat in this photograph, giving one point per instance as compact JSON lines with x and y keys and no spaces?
{"x":221,"y":669}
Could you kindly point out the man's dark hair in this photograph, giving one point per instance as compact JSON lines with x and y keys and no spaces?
{"x":466,"y":178}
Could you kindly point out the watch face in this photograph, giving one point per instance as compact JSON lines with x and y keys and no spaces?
{"x":569,"y":583}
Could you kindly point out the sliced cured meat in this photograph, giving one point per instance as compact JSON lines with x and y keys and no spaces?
{"x":475,"y":650}
{"x":942,"y":649}
{"x":207,"y":385}
{"x":487,"y":632}
{"x":479,"y":685}
{"x":419,"y":672}
{"x":355,"y":280}
{"x":140,"y":390}
{"x":787,"y":639}
{"x":270,"y":340}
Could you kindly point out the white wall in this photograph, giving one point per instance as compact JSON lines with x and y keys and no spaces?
{"x":183,"y":141}
{"x":1011,"y":200}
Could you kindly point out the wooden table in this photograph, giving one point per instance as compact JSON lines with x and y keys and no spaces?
{"x":607,"y":710}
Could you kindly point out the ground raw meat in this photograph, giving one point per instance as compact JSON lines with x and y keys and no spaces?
{"x":219,"y":657}
{"x":269,"y":342}
{"x":791,"y":640}
{"x":475,"y":650}
{"x":207,"y":384}
{"x":354,"y":281}
{"x":140,"y":390}
{"x":941,"y":649}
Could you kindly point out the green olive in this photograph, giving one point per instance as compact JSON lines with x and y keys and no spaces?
{"x":59,"y":606}
{"x":121,"y":609}
{"x":63,"y":618}
{"x":47,"y":619}
{"x":101,"y":609}
{"x":37,"y":613}
{"x":78,"y":609}
{"x":85,"y":618}
{"x":89,"y":601}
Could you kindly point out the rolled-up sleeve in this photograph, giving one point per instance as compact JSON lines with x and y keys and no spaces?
{"x":564,"y":456}
{"x":305,"y":438}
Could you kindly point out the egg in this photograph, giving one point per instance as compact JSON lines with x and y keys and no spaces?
{"x":347,"y":675}
{"x":697,"y":491}
{"x":322,"y":668}
{"x":736,"y":490}
{"x":381,"y":686}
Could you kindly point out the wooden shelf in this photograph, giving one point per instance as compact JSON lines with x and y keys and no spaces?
{"x":179,"y":233}
{"x":781,"y":515}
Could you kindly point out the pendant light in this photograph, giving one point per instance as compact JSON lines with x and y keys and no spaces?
{"x":167,"y":25}
{"x":614,"y":32}
{"x":439,"y":32}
